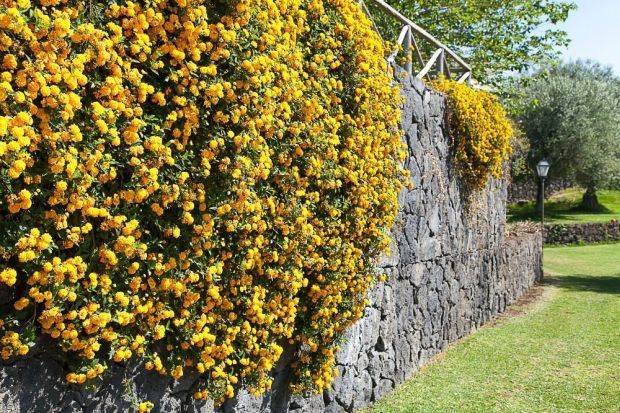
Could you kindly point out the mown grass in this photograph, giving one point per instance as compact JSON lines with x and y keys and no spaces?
{"x":562,"y":355}
{"x":563,"y":207}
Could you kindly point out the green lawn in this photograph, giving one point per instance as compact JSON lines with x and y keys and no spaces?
{"x":564,"y":208}
{"x":562,"y":354}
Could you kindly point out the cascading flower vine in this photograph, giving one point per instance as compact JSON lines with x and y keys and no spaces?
{"x":481,"y":130}
{"x":192,"y":183}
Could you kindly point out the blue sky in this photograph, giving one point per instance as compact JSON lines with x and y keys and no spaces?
{"x":594,"y":29}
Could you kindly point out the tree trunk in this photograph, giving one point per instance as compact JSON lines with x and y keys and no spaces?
{"x":590,"y":200}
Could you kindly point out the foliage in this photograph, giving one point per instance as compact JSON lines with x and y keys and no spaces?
{"x":193,"y":183}
{"x":519,"y":166}
{"x":557,"y":354}
{"x":495,"y":36}
{"x":570,"y":114}
{"x":481,"y":131}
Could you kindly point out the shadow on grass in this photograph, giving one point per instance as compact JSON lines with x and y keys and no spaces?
{"x":602,"y":285}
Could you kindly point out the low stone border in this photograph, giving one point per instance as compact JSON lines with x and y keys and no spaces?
{"x":569,"y":234}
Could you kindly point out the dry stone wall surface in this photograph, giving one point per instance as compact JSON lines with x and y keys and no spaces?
{"x":452,"y":268}
{"x":589,"y":233}
{"x":526,"y":189}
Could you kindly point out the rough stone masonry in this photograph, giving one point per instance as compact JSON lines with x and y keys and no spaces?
{"x":582,"y":233}
{"x":452,"y":268}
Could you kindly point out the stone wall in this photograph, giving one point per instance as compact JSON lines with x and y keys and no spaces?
{"x":526,"y":189}
{"x":566,"y":234}
{"x":453,"y":268}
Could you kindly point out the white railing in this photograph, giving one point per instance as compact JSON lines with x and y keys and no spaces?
{"x":447,"y":62}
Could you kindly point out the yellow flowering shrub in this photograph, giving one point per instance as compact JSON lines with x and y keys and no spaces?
{"x":193,"y":183}
{"x":481,"y":131}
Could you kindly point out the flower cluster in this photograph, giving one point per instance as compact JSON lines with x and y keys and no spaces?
{"x":481,"y":130}
{"x":193,"y":183}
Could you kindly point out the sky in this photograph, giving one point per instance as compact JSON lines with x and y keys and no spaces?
{"x":594,"y":29}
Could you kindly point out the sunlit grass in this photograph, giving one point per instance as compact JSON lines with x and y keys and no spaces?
{"x":563,"y":207}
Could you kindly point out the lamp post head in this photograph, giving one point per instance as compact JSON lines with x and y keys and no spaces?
{"x":543,"y":169}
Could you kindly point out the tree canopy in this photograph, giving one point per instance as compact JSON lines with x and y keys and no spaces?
{"x":494,"y":36}
{"x":570,"y":114}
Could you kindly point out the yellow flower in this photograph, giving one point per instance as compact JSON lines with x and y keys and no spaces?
{"x":102,"y":126}
{"x":4,"y":123}
{"x":159,"y":333}
{"x":17,"y":168}
{"x":9,"y":62}
{"x":145,"y":407}
{"x":27,"y":255}
{"x":8,"y":276}
{"x":21,"y":303}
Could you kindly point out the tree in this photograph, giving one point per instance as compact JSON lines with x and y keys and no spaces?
{"x":571,"y":116}
{"x":494,"y":36}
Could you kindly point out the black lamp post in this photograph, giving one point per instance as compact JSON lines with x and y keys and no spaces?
{"x":543,"y":170}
